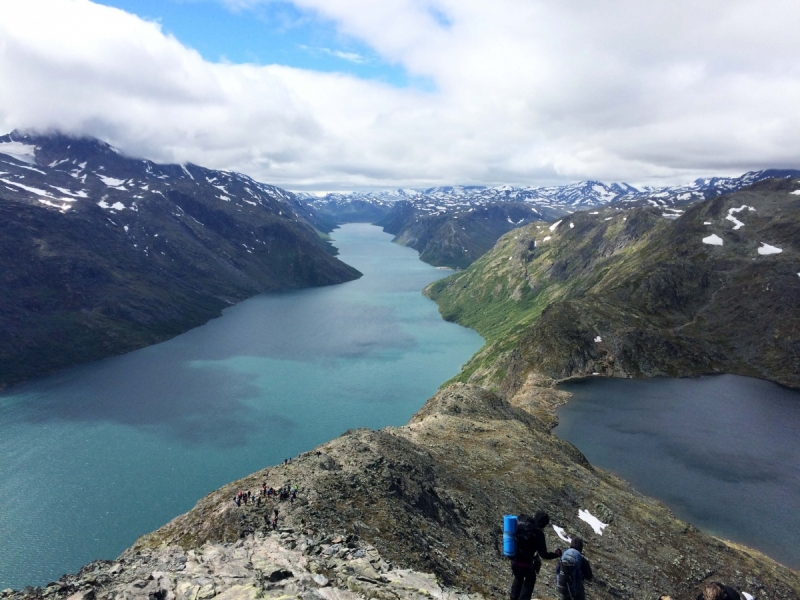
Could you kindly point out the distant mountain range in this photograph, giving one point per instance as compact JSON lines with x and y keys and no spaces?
{"x":102,"y":253}
{"x":452,"y":226}
{"x":564,"y":198}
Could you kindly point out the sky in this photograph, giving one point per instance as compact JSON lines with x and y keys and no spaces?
{"x":366,"y":94}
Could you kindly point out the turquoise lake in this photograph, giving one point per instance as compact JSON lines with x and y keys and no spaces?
{"x":95,"y":456}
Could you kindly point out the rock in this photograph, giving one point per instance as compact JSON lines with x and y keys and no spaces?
{"x":320,"y":580}
{"x":280,"y":575}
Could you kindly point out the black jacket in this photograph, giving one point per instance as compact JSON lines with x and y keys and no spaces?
{"x":539,"y":546}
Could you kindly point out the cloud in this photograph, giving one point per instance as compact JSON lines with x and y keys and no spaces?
{"x":352,"y":57}
{"x":525,"y":91}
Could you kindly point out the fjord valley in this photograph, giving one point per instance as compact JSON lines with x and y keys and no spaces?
{"x":102,"y":253}
{"x":669,"y":285}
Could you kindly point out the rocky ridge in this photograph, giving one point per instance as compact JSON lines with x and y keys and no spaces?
{"x":430,"y":496}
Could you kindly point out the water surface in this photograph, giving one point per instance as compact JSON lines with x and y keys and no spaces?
{"x":722,"y":452}
{"x":100,"y":454}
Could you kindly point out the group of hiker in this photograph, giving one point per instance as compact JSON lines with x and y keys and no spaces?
{"x":286,"y":492}
{"x":282,"y":493}
{"x":527,"y":547}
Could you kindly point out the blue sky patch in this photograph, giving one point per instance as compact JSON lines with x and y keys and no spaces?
{"x":272,"y":33}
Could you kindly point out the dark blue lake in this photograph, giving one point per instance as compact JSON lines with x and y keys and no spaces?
{"x":98,"y":455}
{"x":722,"y":452}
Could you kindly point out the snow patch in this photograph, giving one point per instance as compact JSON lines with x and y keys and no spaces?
{"x":713,"y":240}
{"x":78,"y":194}
{"x":796,"y":192}
{"x":571,"y":225}
{"x":598,"y":339}
{"x":594,"y":522}
{"x":767,"y":249}
{"x":115,"y":206}
{"x":736,"y":222}
{"x":706,"y":222}
{"x":594,"y":213}
{"x":62,"y":207}
{"x":561,"y":534}
{"x":555,"y":225}
{"x":111,"y":182}
{"x":27,"y":188}
{"x":547,"y":239}
{"x":22,"y":152}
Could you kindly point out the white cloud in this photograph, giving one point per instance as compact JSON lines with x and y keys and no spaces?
{"x":352,"y":57}
{"x":527,"y":91}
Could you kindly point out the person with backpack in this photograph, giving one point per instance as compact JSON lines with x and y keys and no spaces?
{"x":531,"y":547}
{"x":571,"y":571}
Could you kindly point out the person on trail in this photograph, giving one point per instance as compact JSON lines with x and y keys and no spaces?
{"x":571,"y":571}
{"x":718,"y":591}
{"x":531,"y":548}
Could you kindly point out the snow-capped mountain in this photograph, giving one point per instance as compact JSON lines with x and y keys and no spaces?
{"x":562,"y":199}
{"x":103,"y":253}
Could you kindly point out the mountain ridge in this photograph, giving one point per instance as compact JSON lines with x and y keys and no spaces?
{"x":452,"y":226}
{"x":103,"y":254}
{"x":629,"y":293}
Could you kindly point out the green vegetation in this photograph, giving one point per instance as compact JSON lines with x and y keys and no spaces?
{"x":660,"y":301}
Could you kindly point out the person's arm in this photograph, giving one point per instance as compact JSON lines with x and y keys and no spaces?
{"x":541,"y":546}
{"x":586,"y":569}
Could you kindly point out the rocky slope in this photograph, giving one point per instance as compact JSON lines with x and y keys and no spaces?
{"x":101,"y":253}
{"x":631,"y":293}
{"x":265,"y":564}
{"x":456,"y":238}
{"x":430,"y":496}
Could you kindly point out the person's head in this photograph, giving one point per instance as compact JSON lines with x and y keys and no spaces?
{"x":714,"y":591}
{"x":541,"y":519}
{"x":523,"y":518}
{"x":577,"y":543}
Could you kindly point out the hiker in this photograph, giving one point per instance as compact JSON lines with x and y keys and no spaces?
{"x":718,"y":591}
{"x":571,"y":571}
{"x":531,"y":548}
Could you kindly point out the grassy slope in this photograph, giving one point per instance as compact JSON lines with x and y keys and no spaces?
{"x":661,"y":300}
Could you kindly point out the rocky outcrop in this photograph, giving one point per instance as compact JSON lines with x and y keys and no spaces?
{"x":285,"y":564}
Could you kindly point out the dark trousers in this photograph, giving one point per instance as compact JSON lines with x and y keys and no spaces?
{"x":524,"y":580}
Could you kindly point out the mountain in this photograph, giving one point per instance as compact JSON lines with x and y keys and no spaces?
{"x":103,"y":253}
{"x":455,"y":238}
{"x":631,"y":293}
{"x":454,"y":225}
